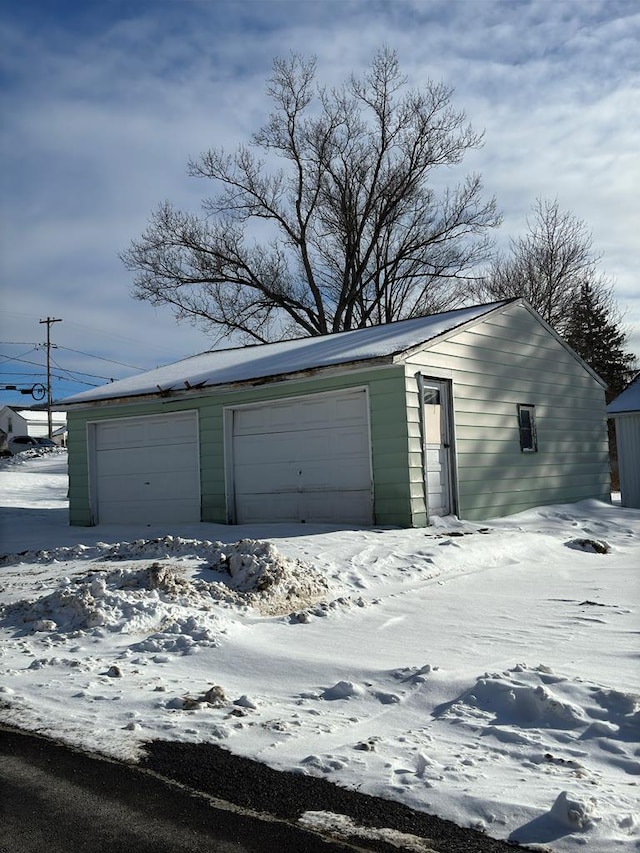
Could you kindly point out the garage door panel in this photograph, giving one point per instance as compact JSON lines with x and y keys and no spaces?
{"x":347,"y":443}
{"x":151,"y":512}
{"x":275,"y":448}
{"x":273,"y":508}
{"x":145,"y":432}
{"x":147,"y":469}
{"x":296,"y":415}
{"x":304,"y":444}
{"x":147,"y":487}
{"x":324,"y":509}
{"x":347,"y":411}
{"x":314,"y":477}
{"x":273,"y":478}
{"x":302,"y":460}
{"x":266,"y":478}
{"x":142,"y":460}
{"x":280,"y":418}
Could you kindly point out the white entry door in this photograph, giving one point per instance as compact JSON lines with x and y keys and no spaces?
{"x":146,"y":470}
{"x":437,"y":447}
{"x":302,"y":459}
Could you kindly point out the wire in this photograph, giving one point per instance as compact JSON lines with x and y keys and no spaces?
{"x":18,"y":357}
{"x":37,"y":346}
{"x":102,"y":358}
{"x":73,"y":380}
{"x":80,"y":372}
{"x":24,"y":361}
{"x":59,"y":366}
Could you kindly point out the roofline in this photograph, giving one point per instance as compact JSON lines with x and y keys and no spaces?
{"x":498,"y":308}
{"x":396,"y":357}
{"x":340,"y":367}
{"x":627,"y":413}
{"x":615,"y":400}
{"x":562,"y":341}
{"x":178,"y":395}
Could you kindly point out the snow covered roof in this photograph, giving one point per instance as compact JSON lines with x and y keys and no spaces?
{"x":628,"y":400}
{"x":38,"y":416}
{"x":241,"y":364}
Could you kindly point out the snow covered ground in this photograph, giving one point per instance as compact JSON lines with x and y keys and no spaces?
{"x":487,"y":673}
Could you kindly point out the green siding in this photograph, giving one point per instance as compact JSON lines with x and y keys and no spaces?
{"x":504,"y":360}
{"x":389,"y":439}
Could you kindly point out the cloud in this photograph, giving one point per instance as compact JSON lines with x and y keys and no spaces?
{"x":105,"y":103}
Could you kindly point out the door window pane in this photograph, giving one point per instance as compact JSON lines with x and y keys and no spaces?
{"x":432,"y":416}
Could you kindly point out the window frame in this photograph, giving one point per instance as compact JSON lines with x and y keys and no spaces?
{"x":527,"y":433}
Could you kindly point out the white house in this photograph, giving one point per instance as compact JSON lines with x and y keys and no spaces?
{"x":32,"y":422}
{"x":625,"y":411}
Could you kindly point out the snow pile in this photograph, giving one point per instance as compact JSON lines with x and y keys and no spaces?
{"x":263,"y":578}
{"x":515,"y":698}
{"x":251,"y":573}
{"x":162,"y":547}
{"x":33,"y":453}
{"x":130,"y":599}
{"x":125,"y":600}
{"x":573,"y":812}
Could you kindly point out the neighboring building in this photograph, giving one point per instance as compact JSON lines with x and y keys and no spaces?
{"x":32,"y":422}
{"x":625,"y":411}
{"x":479,"y":412}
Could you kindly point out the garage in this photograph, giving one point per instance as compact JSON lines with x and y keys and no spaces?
{"x":146,"y":469}
{"x":301,"y":459}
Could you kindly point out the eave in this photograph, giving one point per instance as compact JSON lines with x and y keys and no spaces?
{"x":176,"y":394}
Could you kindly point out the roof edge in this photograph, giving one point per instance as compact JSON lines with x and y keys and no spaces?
{"x":181,"y":394}
{"x":563,"y":343}
{"x":492,"y":308}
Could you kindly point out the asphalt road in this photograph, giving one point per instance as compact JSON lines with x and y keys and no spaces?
{"x":187,"y":798}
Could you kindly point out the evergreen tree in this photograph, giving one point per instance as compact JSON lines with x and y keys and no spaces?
{"x":594,"y":332}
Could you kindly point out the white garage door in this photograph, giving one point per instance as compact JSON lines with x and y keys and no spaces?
{"x":303,"y":459}
{"x":147,"y":469}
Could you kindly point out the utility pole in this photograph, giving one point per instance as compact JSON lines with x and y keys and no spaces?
{"x":49,"y":321}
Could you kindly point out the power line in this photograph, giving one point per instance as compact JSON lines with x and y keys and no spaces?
{"x":24,"y":361}
{"x":18,"y":357}
{"x":73,"y":380}
{"x":102,"y":358}
{"x":60,"y":378}
{"x":68,"y":349}
{"x":109,"y":333}
{"x":59,"y":366}
{"x":81,"y":372}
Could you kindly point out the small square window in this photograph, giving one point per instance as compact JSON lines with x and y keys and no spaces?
{"x":527,"y":428}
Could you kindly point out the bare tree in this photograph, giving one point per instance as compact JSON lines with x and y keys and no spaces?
{"x":329,"y":218}
{"x":549,"y":265}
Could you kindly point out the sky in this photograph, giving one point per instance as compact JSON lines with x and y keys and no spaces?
{"x":103,"y":104}
{"x":342,"y":653}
